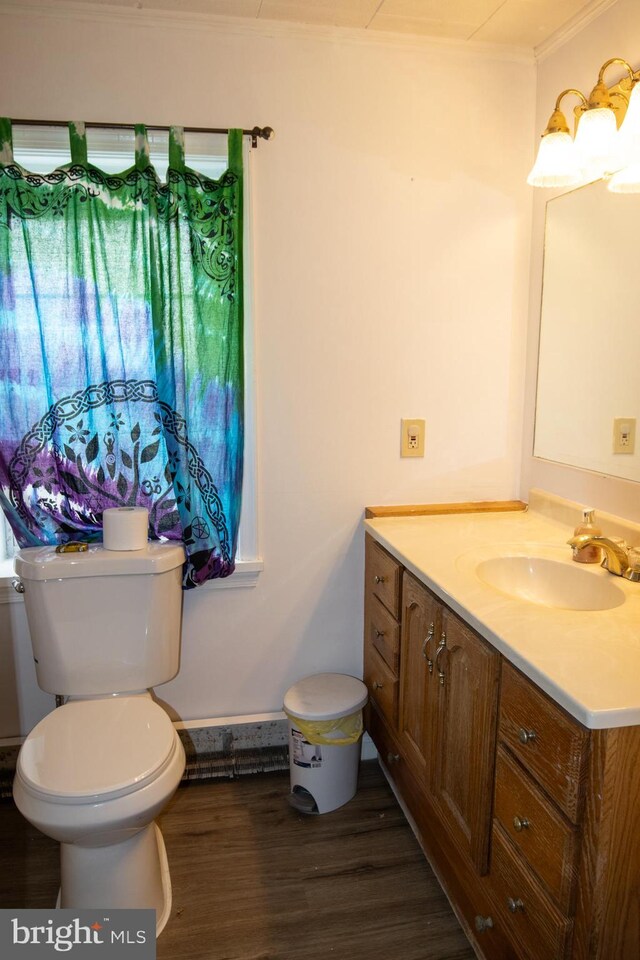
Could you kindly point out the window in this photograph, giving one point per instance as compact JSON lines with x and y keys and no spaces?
{"x":41,"y":150}
{"x":8,"y":547}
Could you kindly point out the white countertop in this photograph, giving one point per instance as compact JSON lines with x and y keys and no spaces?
{"x":588,"y":661}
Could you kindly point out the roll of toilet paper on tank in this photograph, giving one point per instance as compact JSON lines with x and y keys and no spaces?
{"x":125,"y":528}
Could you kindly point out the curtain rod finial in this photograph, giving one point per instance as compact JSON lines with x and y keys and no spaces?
{"x":265,"y":133}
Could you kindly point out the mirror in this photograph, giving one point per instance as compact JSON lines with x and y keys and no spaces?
{"x":589,"y":355}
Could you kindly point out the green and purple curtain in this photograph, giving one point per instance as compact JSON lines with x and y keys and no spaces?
{"x":121,"y":350}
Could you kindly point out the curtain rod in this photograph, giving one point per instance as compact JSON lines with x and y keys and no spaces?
{"x":263,"y":133}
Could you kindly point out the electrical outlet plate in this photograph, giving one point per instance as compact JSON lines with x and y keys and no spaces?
{"x":624,"y":435}
{"x":412,"y":438}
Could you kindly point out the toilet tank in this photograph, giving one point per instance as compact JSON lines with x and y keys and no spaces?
{"x":103,"y":621}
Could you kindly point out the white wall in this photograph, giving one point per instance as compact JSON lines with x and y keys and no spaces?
{"x":615,"y":33}
{"x":391,"y":280}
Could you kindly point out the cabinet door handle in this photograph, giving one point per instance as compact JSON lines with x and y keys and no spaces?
{"x":427,"y":640}
{"x":521,"y":823}
{"x":377,"y":579}
{"x":378,"y":633}
{"x":515,"y":905}
{"x":483,"y":923}
{"x":377,"y":685}
{"x":392,"y":758}
{"x":526,"y":736}
{"x":441,"y":646}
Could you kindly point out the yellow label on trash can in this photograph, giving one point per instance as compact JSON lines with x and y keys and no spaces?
{"x":316,"y":731}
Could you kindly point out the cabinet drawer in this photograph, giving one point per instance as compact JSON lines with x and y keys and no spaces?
{"x":383,"y":576}
{"x":382,"y":632}
{"x":382,"y":685}
{"x":550,"y":744}
{"x":536,"y":829}
{"x":472,"y":901}
{"x":530,"y":918}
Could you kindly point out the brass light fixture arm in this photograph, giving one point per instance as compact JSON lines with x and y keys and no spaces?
{"x":616,"y":97}
{"x":566,"y":92}
{"x":624,"y":63}
{"x":557,"y":120}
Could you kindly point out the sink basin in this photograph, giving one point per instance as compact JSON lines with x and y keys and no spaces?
{"x":550,"y":583}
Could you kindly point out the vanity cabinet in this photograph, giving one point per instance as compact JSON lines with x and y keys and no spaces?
{"x":529,"y":820}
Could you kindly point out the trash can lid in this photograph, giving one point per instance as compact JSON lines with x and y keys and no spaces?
{"x":325,"y":696}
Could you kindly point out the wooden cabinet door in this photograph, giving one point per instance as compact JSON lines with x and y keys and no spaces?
{"x":466,"y":671}
{"x":420,"y":628}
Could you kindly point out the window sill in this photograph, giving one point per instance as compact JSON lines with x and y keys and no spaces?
{"x":245,"y":577}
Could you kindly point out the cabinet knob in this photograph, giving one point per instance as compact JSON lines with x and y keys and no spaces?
{"x":377,"y":579}
{"x":377,"y":685}
{"x":521,"y":823}
{"x":515,"y":905}
{"x":483,"y":923}
{"x":526,"y":736}
{"x":393,"y":758}
{"x":379,"y":633}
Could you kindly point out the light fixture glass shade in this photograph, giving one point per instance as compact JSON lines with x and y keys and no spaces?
{"x":630,"y":129}
{"x":629,"y":139}
{"x":626,"y":180}
{"x":596,"y":142}
{"x":557,"y":162}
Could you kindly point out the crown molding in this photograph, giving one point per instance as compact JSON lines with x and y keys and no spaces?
{"x":572,"y":27}
{"x":258,"y":28}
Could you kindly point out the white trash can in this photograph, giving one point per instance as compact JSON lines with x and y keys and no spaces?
{"x":325,"y":735}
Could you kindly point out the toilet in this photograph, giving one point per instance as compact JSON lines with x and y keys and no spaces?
{"x":96,"y":772}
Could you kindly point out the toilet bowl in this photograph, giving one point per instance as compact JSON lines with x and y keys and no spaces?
{"x":93,"y":775}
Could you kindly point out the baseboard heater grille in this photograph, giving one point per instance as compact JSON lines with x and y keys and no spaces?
{"x":237,"y":763}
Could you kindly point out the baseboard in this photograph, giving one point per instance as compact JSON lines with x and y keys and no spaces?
{"x":369,"y":751}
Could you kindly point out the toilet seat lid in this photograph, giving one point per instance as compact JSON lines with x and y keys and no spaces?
{"x":94,"y":750}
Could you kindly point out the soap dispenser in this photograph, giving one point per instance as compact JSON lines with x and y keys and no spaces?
{"x":592,"y":553}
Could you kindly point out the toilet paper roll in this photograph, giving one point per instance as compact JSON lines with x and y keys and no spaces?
{"x":125,"y":528}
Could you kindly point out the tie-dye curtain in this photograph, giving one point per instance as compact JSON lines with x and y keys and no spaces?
{"x":121,"y":359}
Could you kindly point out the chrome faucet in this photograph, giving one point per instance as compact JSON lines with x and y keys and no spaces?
{"x":617,"y":556}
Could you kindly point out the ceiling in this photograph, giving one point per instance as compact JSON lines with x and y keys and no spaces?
{"x":522,"y":23}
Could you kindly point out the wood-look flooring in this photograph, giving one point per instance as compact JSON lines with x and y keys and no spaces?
{"x":255,"y":880}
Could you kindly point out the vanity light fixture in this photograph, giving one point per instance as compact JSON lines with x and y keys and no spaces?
{"x":603,"y":143}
